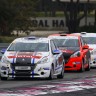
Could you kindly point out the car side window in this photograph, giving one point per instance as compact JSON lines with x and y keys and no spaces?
{"x":53,"y":47}
{"x":82,"y":42}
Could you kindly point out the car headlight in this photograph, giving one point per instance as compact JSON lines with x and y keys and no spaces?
{"x":43,"y":60}
{"x":76,"y":54}
{"x":5,"y":60}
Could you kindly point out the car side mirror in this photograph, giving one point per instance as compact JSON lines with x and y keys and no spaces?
{"x":3,"y":51}
{"x":85,"y":47}
{"x":56,"y":52}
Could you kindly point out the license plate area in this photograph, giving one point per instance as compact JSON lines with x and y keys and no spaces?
{"x":22,"y":68}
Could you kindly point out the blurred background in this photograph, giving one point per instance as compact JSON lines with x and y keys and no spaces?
{"x":44,"y":17}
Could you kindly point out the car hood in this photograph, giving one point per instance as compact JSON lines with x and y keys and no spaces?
{"x":69,"y":50}
{"x":25,"y":57}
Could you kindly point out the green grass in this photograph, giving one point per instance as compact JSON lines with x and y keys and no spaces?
{"x":9,"y":39}
{"x":42,"y":14}
{"x":6,"y":39}
{"x":61,"y":14}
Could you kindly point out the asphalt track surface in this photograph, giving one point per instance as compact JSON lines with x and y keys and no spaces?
{"x":73,"y":84}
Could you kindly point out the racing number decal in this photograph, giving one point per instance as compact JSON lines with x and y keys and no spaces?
{"x":60,"y":60}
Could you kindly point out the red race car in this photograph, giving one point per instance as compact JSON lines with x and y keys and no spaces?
{"x":75,"y":51}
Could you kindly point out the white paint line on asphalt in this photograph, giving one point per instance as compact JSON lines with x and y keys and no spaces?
{"x":53,"y":87}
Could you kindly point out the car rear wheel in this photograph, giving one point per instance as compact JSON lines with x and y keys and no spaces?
{"x":4,"y":78}
{"x":61,"y":75}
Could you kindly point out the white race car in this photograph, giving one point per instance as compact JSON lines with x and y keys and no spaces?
{"x":32,"y":57}
{"x":90,"y":39}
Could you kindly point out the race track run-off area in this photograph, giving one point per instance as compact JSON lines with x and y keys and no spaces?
{"x":52,"y":88}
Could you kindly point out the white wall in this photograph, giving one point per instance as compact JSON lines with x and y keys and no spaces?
{"x":57,"y":22}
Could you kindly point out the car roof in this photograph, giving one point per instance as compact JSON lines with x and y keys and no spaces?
{"x":63,"y":35}
{"x":32,"y":40}
{"x":85,"y":34}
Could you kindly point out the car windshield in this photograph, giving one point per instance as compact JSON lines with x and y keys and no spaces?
{"x":90,"y":40}
{"x":29,"y":47}
{"x":66,"y":42}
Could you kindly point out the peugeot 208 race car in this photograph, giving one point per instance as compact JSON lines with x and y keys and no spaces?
{"x":75,"y":51}
{"x":90,"y":39}
{"x":32,"y":57}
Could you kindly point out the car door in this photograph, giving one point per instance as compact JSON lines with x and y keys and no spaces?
{"x":86,"y":52}
{"x":58,"y":58}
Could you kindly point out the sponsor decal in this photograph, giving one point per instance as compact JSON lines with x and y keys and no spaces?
{"x":24,"y":56}
{"x":58,"y":67}
{"x":67,"y":51}
{"x":46,"y":68}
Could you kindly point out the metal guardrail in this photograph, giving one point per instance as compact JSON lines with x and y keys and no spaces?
{"x":4,"y":45}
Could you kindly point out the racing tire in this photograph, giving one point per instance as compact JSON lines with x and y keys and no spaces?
{"x":51,"y":74}
{"x":82,"y":69}
{"x":88,"y":68}
{"x":60,"y":76}
{"x":4,"y":78}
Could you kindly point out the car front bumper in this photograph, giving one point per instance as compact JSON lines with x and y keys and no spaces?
{"x":93,"y":61}
{"x":73,"y":64}
{"x":38,"y":71}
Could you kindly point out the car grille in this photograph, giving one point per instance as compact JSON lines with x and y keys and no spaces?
{"x":68,"y":67}
{"x":66,"y":57}
{"x":24,"y":73}
{"x":13,"y":65}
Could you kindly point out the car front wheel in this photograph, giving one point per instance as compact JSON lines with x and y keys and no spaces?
{"x":60,"y":76}
{"x":82,"y":67}
{"x":51,"y":74}
{"x":88,"y":68}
